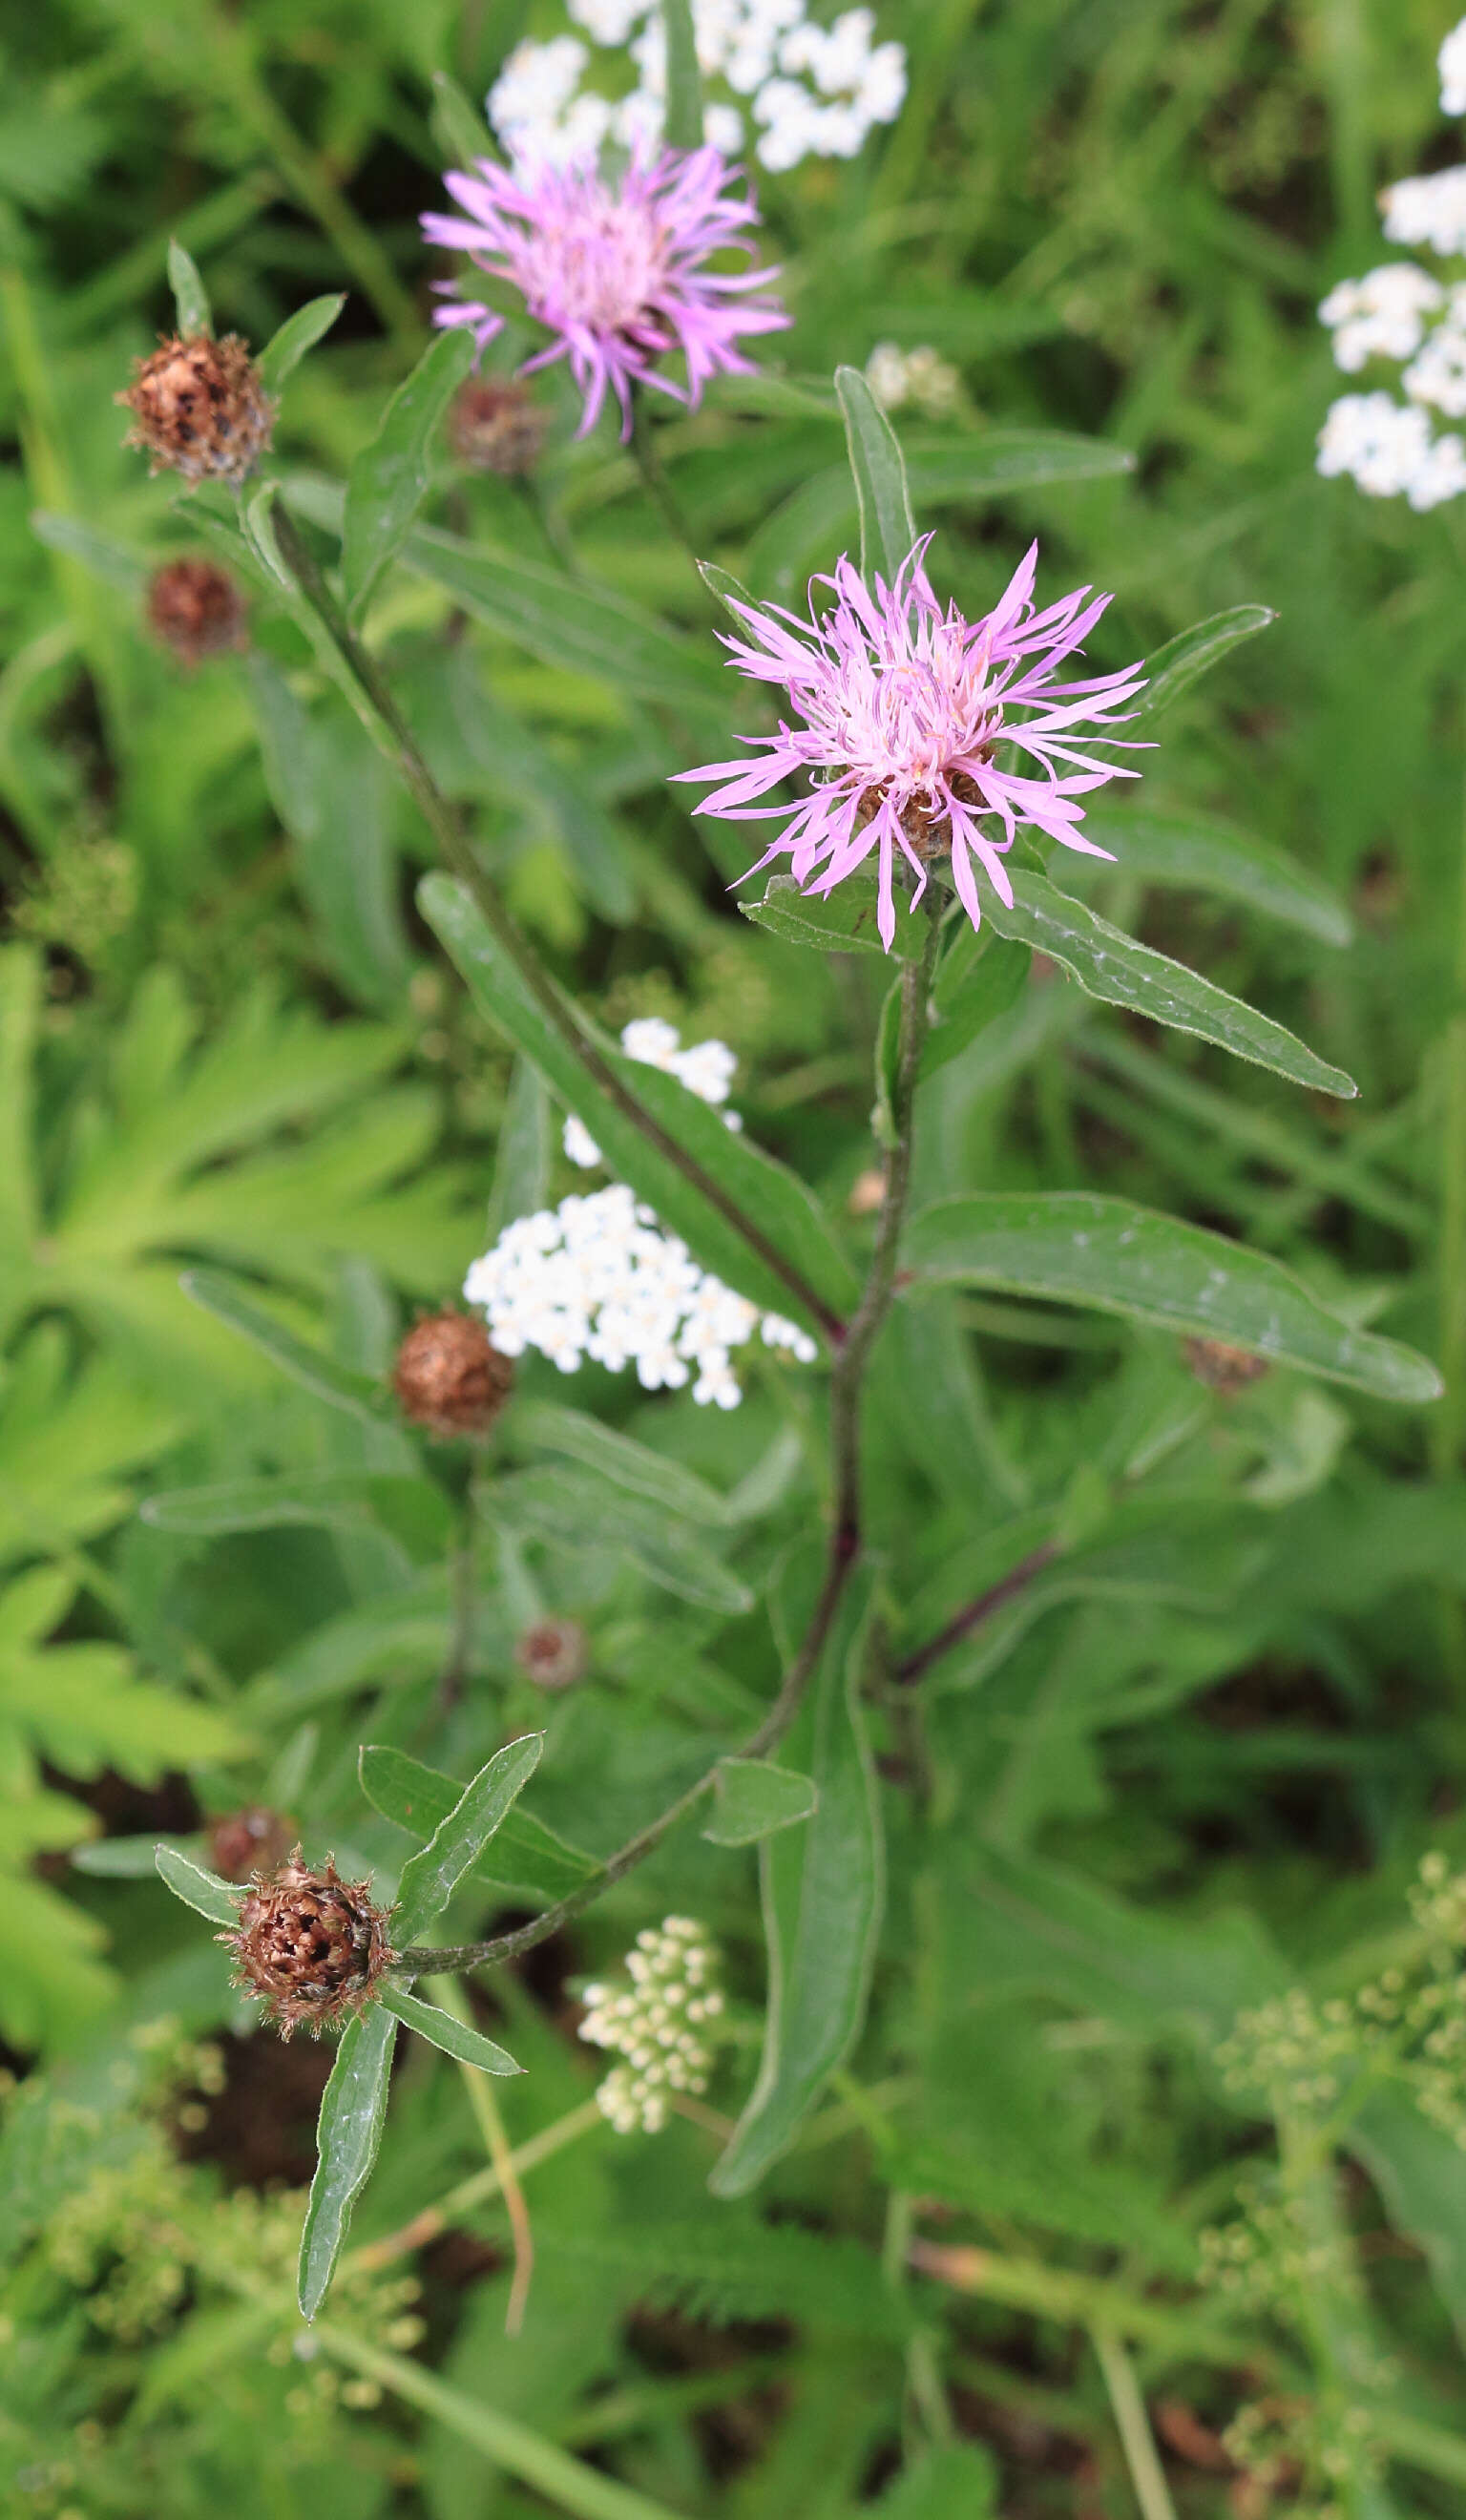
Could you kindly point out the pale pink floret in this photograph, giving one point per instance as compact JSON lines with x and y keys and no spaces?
{"x":900,"y":700}
{"x":616,"y":272}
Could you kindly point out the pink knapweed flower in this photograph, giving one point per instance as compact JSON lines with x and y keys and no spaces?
{"x":617,"y":272}
{"x":904,"y":707}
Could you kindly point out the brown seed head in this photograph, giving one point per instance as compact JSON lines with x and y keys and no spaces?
{"x":200,"y":409}
{"x":309,"y":1945}
{"x":496,"y":425}
{"x":450,"y":1377}
{"x":195,"y":609}
{"x":252,"y":1840}
{"x":1224,"y":1369}
{"x":555,"y":1653}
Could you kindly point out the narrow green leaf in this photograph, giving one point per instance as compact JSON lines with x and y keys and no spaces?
{"x":338,"y":1384}
{"x":722,"y":584}
{"x":459,"y":128}
{"x":574,"y":1510}
{"x":124,"y":1859}
{"x":346,"y":1499}
{"x":970,"y":996}
{"x":467,"y":2047}
{"x":190,"y":297}
{"x":521,"y":1161}
{"x":822,"y":1892}
{"x":299,"y":333}
{"x":956,"y":2481}
{"x":684,"y":125}
{"x":388,"y":480}
{"x":114,"y":561}
{"x":1182,"y":661}
{"x":1208,"y":856}
{"x":753,"y":1798}
{"x":887,"y":528}
{"x":575,"y":627}
{"x":196,"y":1888}
{"x":521,"y":1855}
{"x":349,"y":2133}
{"x":1105,"y":1254}
{"x":985,"y":463}
{"x":631,"y":1467}
{"x":844,"y":922}
{"x":774,"y":1200}
{"x":429,"y":1879}
{"x":524,"y":772}
{"x":1110,"y":966}
{"x":333,"y":791}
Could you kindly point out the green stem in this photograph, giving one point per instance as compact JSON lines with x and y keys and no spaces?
{"x":1146,"y":2474}
{"x":1449,"y":1422}
{"x":477,"y":2189}
{"x":653,"y":473}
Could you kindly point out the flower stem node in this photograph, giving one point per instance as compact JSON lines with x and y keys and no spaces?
{"x":450,"y":1377}
{"x":555,"y":1653}
{"x":496,"y":425}
{"x":200,"y":409}
{"x":196,"y":609}
{"x":310,"y":1946}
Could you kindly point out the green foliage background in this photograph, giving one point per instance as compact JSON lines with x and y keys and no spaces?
{"x":1194,"y":1765}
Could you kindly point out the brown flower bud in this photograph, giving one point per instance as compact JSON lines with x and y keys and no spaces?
{"x":252,"y":1840}
{"x":450,"y":1377}
{"x":309,"y":1945}
{"x":196,"y":609}
{"x":1224,"y":1369}
{"x":496,"y":425}
{"x":200,"y":409}
{"x":555,"y":1653}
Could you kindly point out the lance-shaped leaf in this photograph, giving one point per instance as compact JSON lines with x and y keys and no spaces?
{"x":684,"y":122}
{"x":107,"y":558}
{"x":823,"y":1890}
{"x":299,"y":333}
{"x":983,"y":464}
{"x":578,"y":628}
{"x":342,"y":1499}
{"x":388,"y":479}
{"x":429,"y":1879}
{"x":776,"y":1202}
{"x":1174,"y":669}
{"x":843,"y":922}
{"x":340,"y":1385}
{"x":572,"y":1511}
{"x":467,"y":2047}
{"x":887,"y":528}
{"x":190,"y":297}
{"x":752,"y":1799}
{"x":457,"y":126}
{"x":1205,"y":855}
{"x":631,"y":1467}
{"x":1110,"y":966}
{"x":196,"y":1888}
{"x":521,"y":1855}
{"x":1110,"y":1257}
{"x":348,"y":2134}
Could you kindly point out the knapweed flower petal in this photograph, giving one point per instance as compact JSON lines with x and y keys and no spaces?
{"x":617,"y":272}
{"x":904,"y":707}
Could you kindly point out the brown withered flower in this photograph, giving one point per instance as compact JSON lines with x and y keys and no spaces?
{"x":496,"y":425}
{"x":200,"y":409}
{"x":308,"y":1945}
{"x":252,"y":1840}
{"x":1224,"y":1369}
{"x":450,"y":1377}
{"x":196,"y":609}
{"x":555,"y":1653}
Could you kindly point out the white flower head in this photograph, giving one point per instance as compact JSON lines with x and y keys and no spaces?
{"x":674,"y":1984}
{"x":1450,"y":61}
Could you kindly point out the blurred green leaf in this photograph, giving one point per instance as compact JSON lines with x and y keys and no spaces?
{"x":388,"y":480}
{"x":1205,"y":855}
{"x":887,"y":528}
{"x":459,"y":128}
{"x":316,"y":1371}
{"x":116,"y":563}
{"x":567,"y":623}
{"x":684,"y":118}
{"x":631,"y":1467}
{"x":575,"y":1509}
{"x":428,"y":1879}
{"x":298,"y":335}
{"x":190,"y":297}
{"x":467,"y":2047}
{"x":522,"y":1854}
{"x":752,"y":1798}
{"x":348,"y":2134}
{"x":1174,"y":669}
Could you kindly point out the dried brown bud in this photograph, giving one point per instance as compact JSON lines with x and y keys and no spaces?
{"x":1224,"y":1369}
{"x":496,"y":425}
{"x":200,"y":409}
{"x":555,"y":1653}
{"x":450,"y":1377}
{"x":309,"y":1945}
{"x":252,"y":1840}
{"x":196,"y":609}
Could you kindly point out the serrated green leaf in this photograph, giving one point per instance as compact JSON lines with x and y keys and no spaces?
{"x":752,"y":1798}
{"x":574,"y":1510}
{"x":1205,"y":855}
{"x":522,"y":1854}
{"x":567,"y":623}
{"x":822,"y":1894}
{"x":299,"y":334}
{"x":190,"y":297}
{"x":774,"y":1200}
{"x":388,"y":480}
{"x":630,"y":1467}
{"x":196,"y":1888}
{"x":1072,"y":1248}
{"x":1174,"y":669}
{"x":467,"y":2047}
{"x":338,"y":1384}
{"x":887,"y":528}
{"x":842,"y":923}
{"x":1114,"y":968}
{"x":428,"y":1879}
{"x":348,"y":2134}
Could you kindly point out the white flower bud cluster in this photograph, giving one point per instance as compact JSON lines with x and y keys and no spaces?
{"x":706,"y":1069}
{"x":658,"y":2024}
{"x":1387,"y":449}
{"x":1450,"y":61}
{"x":921,"y":377}
{"x":810,"y":90}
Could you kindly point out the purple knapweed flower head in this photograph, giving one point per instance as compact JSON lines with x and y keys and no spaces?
{"x":617,"y":271}
{"x":903,"y":709}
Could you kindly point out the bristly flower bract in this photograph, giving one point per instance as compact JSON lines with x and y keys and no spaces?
{"x":617,"y":272}
{"x":309,"y":1946}
{"x":200,"y":409}
{"x":904,"y":706}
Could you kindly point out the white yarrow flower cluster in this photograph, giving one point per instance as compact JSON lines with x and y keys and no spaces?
{"x":921,"y":377}
{"x":706,"y":1069}
{"x":1402,"y":313}
{"x":658,"y":2023}
{"x":809,"y":90}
